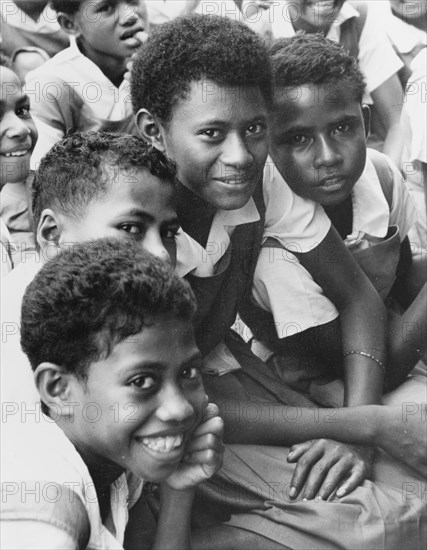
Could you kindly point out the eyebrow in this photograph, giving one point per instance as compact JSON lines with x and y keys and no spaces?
{"x":225,"y":122}
{"x":162,"y":366}
{"x":23,"y":99}
{"x":145,"y":215}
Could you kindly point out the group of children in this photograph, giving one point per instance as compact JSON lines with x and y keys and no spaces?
{"x":126,"y":439}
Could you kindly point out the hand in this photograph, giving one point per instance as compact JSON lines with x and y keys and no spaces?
{"x":402,"y":434}
{"x":327,"y":468}
{"x":142,"y":36}
{"x":203,"y":455}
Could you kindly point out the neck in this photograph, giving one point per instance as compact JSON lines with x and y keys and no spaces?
{"x":194,"y":213}
{"x":113,"y":68}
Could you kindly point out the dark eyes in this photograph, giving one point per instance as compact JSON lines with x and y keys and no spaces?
{"x":343,"y":128}
{"x":148,"y":382}
{"x":298,"y":139}
{"x":143,"y":382}
{"x":132,"y":228}
{"x":191,"y":373}
{"x":23,"y":111}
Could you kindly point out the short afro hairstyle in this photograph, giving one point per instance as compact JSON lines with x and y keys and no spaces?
{"x":94,"y":295}
{"x":314,"y":59}
{"x":70,"y":7}
{"x":193,"y":48}
{"x":81,"y":167}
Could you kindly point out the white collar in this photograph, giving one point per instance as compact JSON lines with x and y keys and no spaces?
{"x":192,"y":257}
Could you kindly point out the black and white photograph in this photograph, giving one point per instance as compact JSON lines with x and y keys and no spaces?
{"x":213,"y":222}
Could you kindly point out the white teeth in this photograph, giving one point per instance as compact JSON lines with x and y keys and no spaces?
{"x":16,"y":153}
{"x":163,"y":444}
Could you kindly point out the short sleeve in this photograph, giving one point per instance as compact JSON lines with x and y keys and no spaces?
{"x":46,"y":510}
{"x":285,"y":288}
{"x":377,"y":58}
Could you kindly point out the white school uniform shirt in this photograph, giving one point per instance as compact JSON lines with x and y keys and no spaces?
{"x":48,"y":493}
{"x":54,"y":89}
{"x":286,"y":289}
{"x":414,"y":131}
{"x":377,"y":59}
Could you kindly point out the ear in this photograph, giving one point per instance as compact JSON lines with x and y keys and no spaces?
{"x":150,"y":129}
{"x":366,"y":113}
{"x":48,"y":230}
{"x":68,"y":24}
{"x":53,"y":385}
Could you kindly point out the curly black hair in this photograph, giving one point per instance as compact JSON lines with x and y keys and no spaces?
{"x":81,"y":167}
{"x":194,"y":48}
{"x":91,"y":297}
{"x":70,"y":7}
{"x":314,"y":59}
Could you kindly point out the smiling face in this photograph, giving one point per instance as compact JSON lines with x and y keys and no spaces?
{"x":18,"y":134}
{"x":217,"y":137}
{"x":137,"y":205}
{"x":314,"y":15}
{"x":108,"y":27}
{"x":147,"y":397}
{"x":318,"y":142}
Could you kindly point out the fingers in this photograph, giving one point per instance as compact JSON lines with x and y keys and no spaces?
{"x":312,"y":453}
{"x":296,"y":451}
{"x":203,"y":442}
{"x":142,"y":36}
{"x":210,"y":411}
{"x":323,"y":466}
{"x":355,"y":479}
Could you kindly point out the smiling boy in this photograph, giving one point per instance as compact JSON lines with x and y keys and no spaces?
{"x":90,"y":185}
{"x":18,"y":137}
{"x":201,"y":88}
{"x":82,"y":87}
{"x":107,"y":329}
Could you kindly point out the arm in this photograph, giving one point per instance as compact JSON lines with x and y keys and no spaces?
{"x":362,"y":313}
{"x":388,"y":100}
{"x":398,"y":430}
{"x":202,"y":459}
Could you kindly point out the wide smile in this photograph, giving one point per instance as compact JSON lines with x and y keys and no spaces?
{"x":167,"y":448}
{"x":16,"y":153}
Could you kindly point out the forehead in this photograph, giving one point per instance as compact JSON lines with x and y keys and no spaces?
{"x":166,"y":342}
{"x":311,"y":101}
{"x":137,"y":185}
{"x":206,"y":98}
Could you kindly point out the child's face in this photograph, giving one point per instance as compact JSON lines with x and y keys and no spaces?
{"x":217,"y":137}
{"x":108,"y":27}
{"x":18,"y":134}
{"x":137,"y":206}
{"x":318,"y":142}
{"x":147,"y":397}
{"x":314,"y":15}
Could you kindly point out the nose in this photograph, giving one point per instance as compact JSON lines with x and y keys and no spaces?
{"x":128,"y":14}
{"x":153,"y":243}
{"x":236,"y":152}
{"x":14,"y":127}
{"x":326,"y":153}
{"x":174,"y":407}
